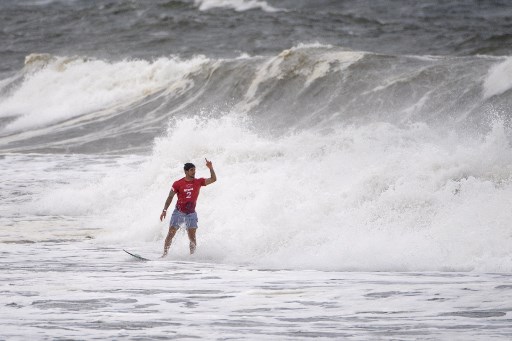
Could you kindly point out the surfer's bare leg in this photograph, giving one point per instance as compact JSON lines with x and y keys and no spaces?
{"x":192,"y":238}
{"x":168,"y":240}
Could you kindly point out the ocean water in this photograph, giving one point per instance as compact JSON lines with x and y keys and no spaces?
{"x":363,"y":153}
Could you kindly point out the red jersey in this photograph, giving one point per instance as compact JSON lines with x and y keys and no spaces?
{"x":187,"y":192}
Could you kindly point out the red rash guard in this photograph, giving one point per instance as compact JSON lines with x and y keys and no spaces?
{"x":187,"y":192}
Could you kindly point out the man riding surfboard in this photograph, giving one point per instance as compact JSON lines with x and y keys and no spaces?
{"x":184,"y":214}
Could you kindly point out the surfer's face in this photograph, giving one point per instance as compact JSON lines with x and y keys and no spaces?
{"x":191,"y":173}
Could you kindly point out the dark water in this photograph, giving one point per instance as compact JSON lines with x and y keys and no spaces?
{"x":146,"y":29}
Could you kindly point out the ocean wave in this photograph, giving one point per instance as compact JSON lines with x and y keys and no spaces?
{"x":499,"y":79}
{"x":56,"y":89}
{"x":93,"y":105}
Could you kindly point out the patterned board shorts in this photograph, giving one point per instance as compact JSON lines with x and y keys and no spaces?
{"x":180,"y":219}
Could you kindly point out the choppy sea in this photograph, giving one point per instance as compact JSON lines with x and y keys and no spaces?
{"x":363,"y":154}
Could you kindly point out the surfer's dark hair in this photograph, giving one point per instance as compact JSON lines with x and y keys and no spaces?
{"x":188,"y":166}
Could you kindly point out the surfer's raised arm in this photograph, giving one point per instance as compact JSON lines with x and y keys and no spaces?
{"x":213,"y":176}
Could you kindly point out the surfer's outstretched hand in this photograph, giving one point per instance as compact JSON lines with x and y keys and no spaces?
{"x":208,"y":163}
{"x":162,"y":216}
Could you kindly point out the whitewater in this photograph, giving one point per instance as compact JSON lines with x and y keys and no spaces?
{"x":362,"y":194}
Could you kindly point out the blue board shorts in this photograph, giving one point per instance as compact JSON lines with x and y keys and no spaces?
{"x":180,"y":219}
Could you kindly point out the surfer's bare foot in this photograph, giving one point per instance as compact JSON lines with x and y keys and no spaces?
{"x":164,"y":255}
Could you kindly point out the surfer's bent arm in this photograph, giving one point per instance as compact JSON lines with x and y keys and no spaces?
{"x":169,"y":200}
{"x":167,"y":204}
{"x":213,"y":176}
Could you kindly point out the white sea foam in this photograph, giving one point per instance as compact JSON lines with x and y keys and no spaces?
{"x":499,"y":79}
{"x":297,"y":61}
{"x":374,"y":197}
{"x":66,"y":291}
{"x":237,"y":5}
{"x":68,"y":87}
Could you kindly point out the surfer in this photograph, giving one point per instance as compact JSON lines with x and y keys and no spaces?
{"x":184,"y":213}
